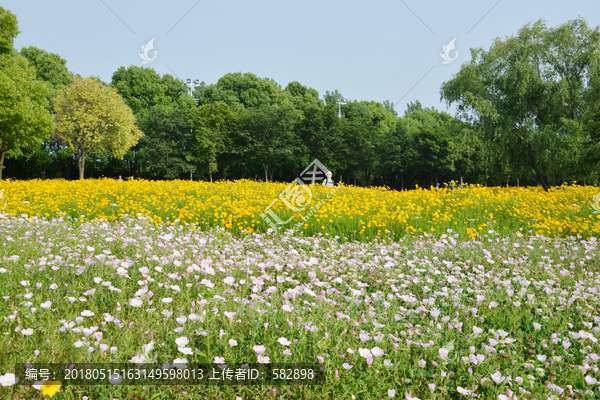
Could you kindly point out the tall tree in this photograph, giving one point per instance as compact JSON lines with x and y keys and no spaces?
{"x":168,"y":139}
{"x":24,"y":118}
{"x":240,"y":91}
{"x":268,"y":133}
{"x":214,"y":125}
{"x":49,"y":67}
{"x":532,"y":93}
{"x":92,"y":116}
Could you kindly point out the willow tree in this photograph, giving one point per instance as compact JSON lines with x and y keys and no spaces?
{"x":91,"y":116}
{"x":532,"y":94}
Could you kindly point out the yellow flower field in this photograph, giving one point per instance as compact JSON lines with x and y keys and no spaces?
{"x":351,"y":212}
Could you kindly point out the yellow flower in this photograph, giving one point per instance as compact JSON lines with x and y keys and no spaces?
{"x":50,"y":388}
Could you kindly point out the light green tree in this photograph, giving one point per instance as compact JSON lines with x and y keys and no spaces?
{"x":92,"y":116}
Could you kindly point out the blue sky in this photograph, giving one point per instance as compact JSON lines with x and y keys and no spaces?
{"x":368,"y":50}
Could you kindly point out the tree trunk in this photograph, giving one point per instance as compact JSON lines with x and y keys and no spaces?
{"x":354,"y":178}
{"x":403,"y":183}
{"x":210,"y":175}
{"x":266,"y":173}
{"x":1,"y":164}
{"x":81,"y":165}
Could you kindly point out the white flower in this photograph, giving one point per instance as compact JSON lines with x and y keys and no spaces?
{"x":136,"y":302}
{"x":263,"y":360}
{"x":283,"y":341}
{"x":229,"y":314}
{"x":179,"y":362}
{"x":463,"y":391}
{"x":185,"y":350}
{"x":497,"y":377}
{"x":391,"y":393}
{"x":365,"y":337}
{"x":182,"y":341}
{"x":27,"y":332}
{"x":219,"y":360}
{"x":46,"y":305}
{"x":590,"y":380}
{"x":87,"y":313}
{"x":287,"y":308}
{"x":347,"y":366}
{"x":233,"y":342}
{"x":230,"y":280}
{"x":366,"y":353}
{"x":444,"y":352}
{"x":377,"y":352}
{"x":537,"y":326}
{"x":259,"y":349}
{"x":181,"y":320}
{"x":167,"y":300}
{"x":194,"y":317}
{"x":138,"y":360}
{"x":8,"y":379}
{"x":477,"y":330}
{"x":541,"y":358}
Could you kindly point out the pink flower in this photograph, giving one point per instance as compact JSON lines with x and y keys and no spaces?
{"x":263,"y":360}
{"x":259,"y":349}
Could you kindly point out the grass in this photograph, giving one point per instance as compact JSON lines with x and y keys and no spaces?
{"x":504,"y":315}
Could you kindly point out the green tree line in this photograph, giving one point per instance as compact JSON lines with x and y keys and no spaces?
{"x":528,"y":113}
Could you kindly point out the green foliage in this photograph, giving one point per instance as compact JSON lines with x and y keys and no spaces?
{"x":9,"y":29}
{"x":24,"y":119}
{"x":530,"y":95}
{"x":143,"y":88}
{"x":49,"y":67}
{"x":214,"y":124}
{"x":241,"y":91}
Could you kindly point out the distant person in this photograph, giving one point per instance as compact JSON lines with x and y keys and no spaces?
{"x":329,"y":180}
{"x":451,"y":185}
{"x":437,"y":186}
{"x":120,"y":178}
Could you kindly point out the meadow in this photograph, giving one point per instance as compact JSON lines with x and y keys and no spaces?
{"x":490,"y":293}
